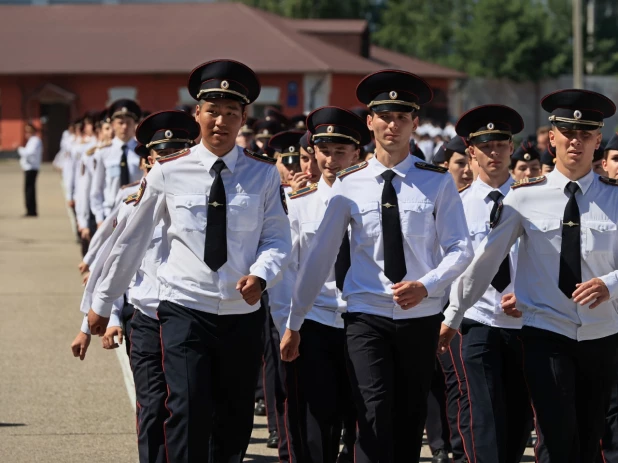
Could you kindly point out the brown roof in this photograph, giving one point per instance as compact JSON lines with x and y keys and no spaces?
{"x":125,"y":39}
{"x":389,"y":58}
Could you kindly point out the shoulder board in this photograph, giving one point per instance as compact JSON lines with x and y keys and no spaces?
{"x":609,"y":181}
{"x":171,"y":157}
{"x":431,"y":167}
{"x":128,"y":185}
{"x":304,"y":191}
{"x":131,"y":198}
{"x":259,"y":157}
{"x":352,"y":169}
{"x":461,"y":190}
{"x":91,"y":151}
{"x":528,"y":182}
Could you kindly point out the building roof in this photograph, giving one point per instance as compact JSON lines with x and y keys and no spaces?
{"x":389,"y":58}
{"x":173,"y":39}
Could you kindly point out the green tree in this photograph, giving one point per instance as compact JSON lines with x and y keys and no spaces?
{"x":325,"y":9}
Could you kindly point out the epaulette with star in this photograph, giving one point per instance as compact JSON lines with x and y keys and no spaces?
{"x":131,"y":199}
{"x":609,"y":181}
{"x":172,"y":156}
{"x":352,"y":169}
{"x":528,"y":182}
{"x":461,"y":190}
{"x":431,"y":167}
{"x":259,"y":157}
{"x":129,"y":185}
{"x":304,"y":191}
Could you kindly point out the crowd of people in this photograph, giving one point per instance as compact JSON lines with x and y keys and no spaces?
{"x":358,"y":275}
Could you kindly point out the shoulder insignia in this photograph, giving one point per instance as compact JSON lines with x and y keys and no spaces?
{"x":431,"y":167}
{"x":461,"y":190}
{"x":528,"y":182}
{"x":304,"y":191}
{"x":141,"y":191}
{"x":91,"y":151}
{"x":352,"y":169}
{"x":105,"y":145}
{"x":172,"y":156}
{"x":259,"y":157}
{"x":131,"y":199}
{"x":128,"y":185}
{"x":609,"y":181}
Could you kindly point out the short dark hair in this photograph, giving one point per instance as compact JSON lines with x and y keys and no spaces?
{"x":31,"y":127}
{"x":202,"y":101}
{"x":448,"y":154}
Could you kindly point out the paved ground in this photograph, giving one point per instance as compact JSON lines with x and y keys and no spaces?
{"x":54,"y":408}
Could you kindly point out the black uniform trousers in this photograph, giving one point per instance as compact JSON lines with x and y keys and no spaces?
{"x":500,"y":411}
{"x":319,"y":395}
{"x":570,"y":386}
{"x":391,"y":365}
{"x":437,"y":424}
{"x":126,"y":316}
{"x":30,"y":191}
{"x":150,"y":388}
{"x":211,"y":365}
{"x":609,"y":442}
{"x":273,"y":378}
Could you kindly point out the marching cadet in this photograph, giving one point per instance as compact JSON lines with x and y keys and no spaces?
{"x":457,"y":161}
{"x":548,"y":160}
{"x":610,"y":157}
{"x":225,"y":217}
{"x":118,"y":163}
{"x":298,"y":122}
{"x":525,"y":162}
{"x":288,"y":162}
{"x":318,"y":385}
{"x":69,"y":166}
{"x":566,"y":284}
{"x":309,"y":170}
{"x":30,"y":157}
{"x":245,"y":134}
{"x":597,"y":161}
{"x":490,"y":347}
{"x":263,"y":131}
{"x":400,"y":210}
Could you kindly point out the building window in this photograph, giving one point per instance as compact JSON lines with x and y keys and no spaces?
{"x":184,"y":97}
{"x":269,"y":96}
{"x":116,"y":93}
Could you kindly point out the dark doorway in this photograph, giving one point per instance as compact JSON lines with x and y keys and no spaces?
{"x":54,"y":121}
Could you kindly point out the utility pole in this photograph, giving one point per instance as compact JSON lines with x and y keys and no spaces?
{"x":578,"y":46}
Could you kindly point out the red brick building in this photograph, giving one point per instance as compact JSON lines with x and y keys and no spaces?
{"x":59,"y":61}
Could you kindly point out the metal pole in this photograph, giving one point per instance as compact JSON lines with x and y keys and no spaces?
{"x":578,"y":48}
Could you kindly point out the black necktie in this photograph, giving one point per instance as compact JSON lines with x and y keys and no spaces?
{"x":124,"y":167}
{"x":343,"y":262}
{"x":503,"y":276}
{"x":570,"y":252}
{"x":215,"y":250}
{"x":394,"y":259}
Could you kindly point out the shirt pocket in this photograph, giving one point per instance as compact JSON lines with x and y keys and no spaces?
{"x":243,"y":212}
{"x":113,"y":171}
{"x":191,"y":211}
{"x":416,"y":218}
{"x":309,"y":229}
{"x":478,"y":231}
{"x":367,"y":218}
{"x":545,"y":234}
{"x":599,"y":235}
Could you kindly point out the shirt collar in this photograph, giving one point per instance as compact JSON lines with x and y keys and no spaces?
{"x":485,"y":189}
{"x":208,"y":159}
{"x":400,"y":169}
{"x":557,"y":179}
{"x":132,"y":143}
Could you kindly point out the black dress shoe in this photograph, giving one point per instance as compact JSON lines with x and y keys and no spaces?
{"x":440,"y":456}
{"x":260,"y":408}
{"x":273,"y":440}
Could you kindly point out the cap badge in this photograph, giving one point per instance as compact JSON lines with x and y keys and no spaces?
{"x":393,"y":95}
{"x":225,"y":84}
{"x":490,"y":126}
{"x":124,"y":110}
{"x":265,"y":132}
{"x":330,"y":129}
{"x":527,"y":156}
{"x":168,"y":134}
{"x":291,"y":149}
{"x":309,"y":150}
{"x":577,"y":114}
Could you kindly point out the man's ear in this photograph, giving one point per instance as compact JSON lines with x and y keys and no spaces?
{"x":552,"y":138}
{"x":599,"y":140}
{"x":370,"y":122}
{"x":415,"y":121}
{"x":472,"y":152}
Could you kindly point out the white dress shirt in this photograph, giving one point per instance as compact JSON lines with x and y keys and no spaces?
{"x":535,"y":214}
{"x":106,"y":177}
{"x":258,"y":232}
{"x":432,"y":222}
{"x":305,"y":214}
{"x":477,"y":207}
{"x":83,"y":181}
{"x":31,"y":155}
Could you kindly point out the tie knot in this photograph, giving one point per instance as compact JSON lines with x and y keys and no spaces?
{"x":388,"y":175}
{"x":124,"y":148}
{"x":218,"y":166}
{"x":572,"y":187}
{"x":495,"y":196}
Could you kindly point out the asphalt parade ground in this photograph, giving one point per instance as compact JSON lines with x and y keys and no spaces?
{"x":54,"y":407}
